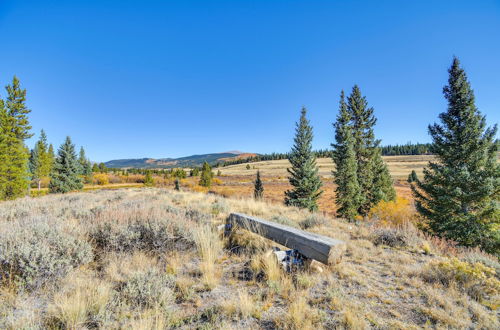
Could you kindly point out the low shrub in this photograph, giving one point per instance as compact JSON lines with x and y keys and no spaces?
{"x":141,"y":234}
{"x":393,"y":213}
{"x":218,"y":207}
{"x":476,"y":279}
{"x":313,"y":220}
{"x":148,"y":289}
{"x":473,"y":257}
{"x":34,"y":253}
{"x":390,"y":237}
{"x":100,"y":179}
{"x":284,"y":221}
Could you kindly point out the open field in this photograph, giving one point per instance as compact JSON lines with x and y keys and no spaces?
{"x":150,"y":259}
{"x":399,"y":166}
{"x":237,"y":180}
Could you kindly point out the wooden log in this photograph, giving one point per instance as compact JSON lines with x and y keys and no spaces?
{"x":321,"y":248}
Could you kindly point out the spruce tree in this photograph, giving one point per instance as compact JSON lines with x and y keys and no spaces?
{"x":3,"y":150}
{"x":40,"y":162}
{"x":177,"y":185}
{"x":373,"y":177}
{"x":85,"y":166}
{"x":65,"y":176}
{"x":148,"y":179}
{"x":347,"y":193}
{"x":383,"y":185}
{"x":14,"y":155}
{"x":51,"y":157}
{"x":412,"y":177}
{"x":258,"y":189}
{"x":206,"y":175}
{"x":459,"y":193}
{"x":34,"y":165}
{"x":304,"y":176}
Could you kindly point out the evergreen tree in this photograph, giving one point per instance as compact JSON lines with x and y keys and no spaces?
{"x":34,"y":165}
{"x":95,"y":168}
{"x":412,"y":177}
{"x":40,"y":162}
{"x":258,"y":190}
{"x":373,"y":176}
{"x":206,"y":175}
{"x":383,"y":185}
{"x":85,"y":166}
{"x":304,"y":174}
{"x":348,"y":193}
{"x":51,"y":158}
{"x":65,"y":176}
{"x":14,"y":129}
{"x":177,"y":185}
{"x":148,"y":179}
{"x":459,"y":194}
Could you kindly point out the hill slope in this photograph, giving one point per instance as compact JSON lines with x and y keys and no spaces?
{"x":189,"y":161}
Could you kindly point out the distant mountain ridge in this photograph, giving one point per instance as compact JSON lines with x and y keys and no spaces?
{"x":189,"y":161}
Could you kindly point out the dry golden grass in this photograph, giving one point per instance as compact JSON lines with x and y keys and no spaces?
{"x":210,"y":248}
{"x":187,"y":278}
{"x":399,"y":166}
{"x":237,"y":180}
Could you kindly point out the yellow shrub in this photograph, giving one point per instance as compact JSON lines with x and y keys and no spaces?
{"x":198,"y":188}
{"x":101,"y":179}
{"x":216,"y":181}
{"x":476,"y":279}
{"x":394,"y":213}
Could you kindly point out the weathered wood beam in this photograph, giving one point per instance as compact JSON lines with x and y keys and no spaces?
{"x":321,"y":248}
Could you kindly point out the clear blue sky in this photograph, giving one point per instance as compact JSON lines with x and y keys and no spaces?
{"x":129,"y":79}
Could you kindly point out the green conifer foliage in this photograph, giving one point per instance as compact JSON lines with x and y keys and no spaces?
{"x":383,"y":185}
{"x":258,"y":189}
{"x":206,"y":175}
{"x":40,"y":162}
{"x":347,"y":193}
{"x":65,"y":176}
{"x":148,"y":179}
{"x":177,"y":185}
{"x":412,"y":177}
{"x":459,"y":193}
{"x":14,"y":155}
{"x":373,"y":176}
{"x":304,"y":174}
{"x":85,"y":166}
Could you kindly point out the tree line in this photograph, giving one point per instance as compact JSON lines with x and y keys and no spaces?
{"x":388,"y":150}
{"x":19,"y":166}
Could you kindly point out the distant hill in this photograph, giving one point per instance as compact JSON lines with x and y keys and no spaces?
{"x":189,"y":161}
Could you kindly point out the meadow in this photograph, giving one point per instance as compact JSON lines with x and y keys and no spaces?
{"x":151,"y":258}
{"x":237,"y":180}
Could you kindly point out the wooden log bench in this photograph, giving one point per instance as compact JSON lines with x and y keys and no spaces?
{"x":313,"y":246}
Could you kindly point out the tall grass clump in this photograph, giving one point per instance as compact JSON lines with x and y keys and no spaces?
{"x":33,"y":253}
{"x":209,"y":248}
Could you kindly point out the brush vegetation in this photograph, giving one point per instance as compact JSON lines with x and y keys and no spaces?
{"x":152,"y":258}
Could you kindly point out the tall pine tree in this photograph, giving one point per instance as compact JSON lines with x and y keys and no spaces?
{"x":40,"y":162}
{"x":304,"y":174}
{"x":258,"y":188}
{"x":373,"y":177}
{"x":206,"y":175}
{"x":347,"y":193}
{"x":14,"y":130}
{"x":459,"y":193}
{"x":85,"y":166}
{"x":65,"y":176}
